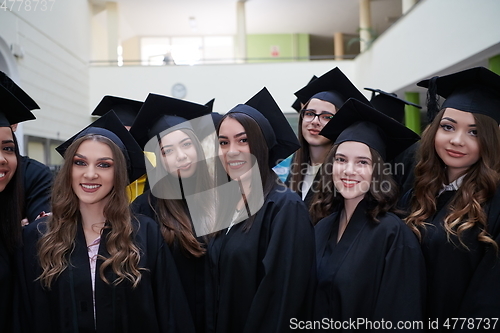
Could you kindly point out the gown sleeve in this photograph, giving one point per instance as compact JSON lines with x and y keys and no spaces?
{"x":403,"y":279}
{"x":482,"y":298}
{"x":37,"y":184}
{"x":171,"y":304}
{"x":286,"y":288}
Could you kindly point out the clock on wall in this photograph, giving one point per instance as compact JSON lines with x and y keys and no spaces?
{"x":179,"y":90}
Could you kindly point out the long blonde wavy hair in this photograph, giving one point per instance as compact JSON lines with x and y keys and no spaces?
{"x":58,"y":241}
{"x":466,"y":209}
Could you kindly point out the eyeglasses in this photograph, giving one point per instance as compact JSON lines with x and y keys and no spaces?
{"x":323,"y":117}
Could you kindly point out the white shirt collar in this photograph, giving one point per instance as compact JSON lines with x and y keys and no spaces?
{"x":453,"y":186}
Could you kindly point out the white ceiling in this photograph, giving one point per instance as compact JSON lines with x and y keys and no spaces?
{"x":218,"y":17}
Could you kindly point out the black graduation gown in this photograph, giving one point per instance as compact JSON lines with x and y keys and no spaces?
{"x":262,"y":278}
{"x":37,"y":186}
{"x":157,"y":304}
{"x":6,"y":289}
{"x":191,"y":270}
{"x":403,"y":168}
{"x":462,"y":283}
{"x":375,"y":272}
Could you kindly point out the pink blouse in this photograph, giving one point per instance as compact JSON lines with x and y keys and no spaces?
{"x":93,"y":249}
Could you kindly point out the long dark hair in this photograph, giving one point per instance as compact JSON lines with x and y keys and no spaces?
{"x":173,"y":214}
{"x":259,"y":149}
{"x":381,"y":197}
{"x":11,"y":213}
{"x":301,"y":159}
{"x":478,"y":187}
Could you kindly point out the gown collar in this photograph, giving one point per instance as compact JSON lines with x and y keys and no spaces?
{"x":331,"y":254}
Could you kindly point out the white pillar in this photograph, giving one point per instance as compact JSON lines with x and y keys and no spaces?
{"x":241,"y":31}
{"x":338,"y":45}
{"x":365,"y":24}
{"x":407,"y":5}
{"x":113,"y":34}
{"x":20,"y":139}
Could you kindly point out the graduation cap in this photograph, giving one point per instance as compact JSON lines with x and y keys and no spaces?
{"x":333,"y":87}
{"x":297,"y":105}
{"x":279,"y":136}
{"x":15,"y":90}
{"x":389,"y":104}
{"x":216,"y":116}
{"x":126,"y":109}
{"x":356,"y":121}
{"x":160,"y":113}
{"x":475,"y":90}
{"x":110,"y":126}
{"x":13,"y":111}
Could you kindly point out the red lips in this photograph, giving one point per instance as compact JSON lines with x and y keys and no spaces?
{"x":454,"y":153}
{"x":314,"y":131}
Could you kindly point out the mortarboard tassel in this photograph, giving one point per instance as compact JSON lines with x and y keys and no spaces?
{"x":432,"y":100}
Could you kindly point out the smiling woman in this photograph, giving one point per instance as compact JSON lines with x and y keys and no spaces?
{"x":179,"y":154}
{"x":456,"y":142}
{"x":93,"y":173}
{"x":261,"y":271}
{"x":454,"y":203}
{"x":8,"y":157}
{"x":369,"y":262}
{"x":92,"y":252}
{"x":181,"y":174}
{"x":321,"y":98}
{"x":12,"y":200}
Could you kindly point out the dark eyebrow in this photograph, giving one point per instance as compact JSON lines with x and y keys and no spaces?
{"x":236,"y":135}
{"x":358,"y":157}
{"x":454,"y":121}
{"x":322,"y":112}
{"x":99,"y":159}
{"x":449,"y":119}
{"x":7,"y":141}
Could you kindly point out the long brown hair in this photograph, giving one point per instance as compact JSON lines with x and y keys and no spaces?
{"x":301,"y":159}
{"x":172,"y":214}
{"x":12,"y":198}
{"x":381,"y":197}
{"x":466,"y":209}
{"x":259,"y":149}
{"x":56,"y":244}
